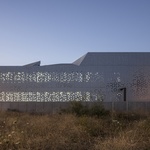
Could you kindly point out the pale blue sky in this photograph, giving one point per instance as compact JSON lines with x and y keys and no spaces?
{"x":60,"y":31}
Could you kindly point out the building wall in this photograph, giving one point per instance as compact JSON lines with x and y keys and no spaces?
{"x":54,"y":83}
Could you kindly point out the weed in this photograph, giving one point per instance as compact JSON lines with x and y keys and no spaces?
{"x":24,"y":131}
{"x":77,"y":108}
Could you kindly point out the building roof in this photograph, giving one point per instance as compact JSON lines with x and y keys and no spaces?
{"x":33,"y":64}
{"x":114,"y":58}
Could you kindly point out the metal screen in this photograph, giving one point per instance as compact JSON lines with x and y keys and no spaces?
{"x":93,"y":77}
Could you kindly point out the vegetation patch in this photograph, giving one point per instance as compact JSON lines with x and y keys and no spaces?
{"x":76,"y":130}
{"x":80,"y":109}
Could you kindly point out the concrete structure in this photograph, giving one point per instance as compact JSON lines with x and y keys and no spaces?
{"x":92,"y":78}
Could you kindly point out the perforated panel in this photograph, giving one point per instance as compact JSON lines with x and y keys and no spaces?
{"x":90,"y":81}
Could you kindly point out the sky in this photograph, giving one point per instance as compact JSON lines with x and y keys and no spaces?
{"x":61,"y":31}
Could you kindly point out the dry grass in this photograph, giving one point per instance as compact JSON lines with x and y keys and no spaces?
{"x":68,"y":132}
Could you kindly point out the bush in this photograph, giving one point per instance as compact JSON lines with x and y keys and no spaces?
{"x":79,"y":109}
{"x":98,"y":110}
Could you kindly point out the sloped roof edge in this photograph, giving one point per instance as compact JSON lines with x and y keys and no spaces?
{"x":114,"y":59}
{"x":33,"y":64}
{"x":79,"y":60}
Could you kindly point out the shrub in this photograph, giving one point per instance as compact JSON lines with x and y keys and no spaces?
{"x":79,"y":109}
{"x":98,"y":110}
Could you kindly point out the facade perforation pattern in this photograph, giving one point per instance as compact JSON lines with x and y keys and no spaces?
{"x":94,"y":77}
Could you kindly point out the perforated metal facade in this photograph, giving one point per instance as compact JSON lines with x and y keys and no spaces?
{"x":93,"y":77}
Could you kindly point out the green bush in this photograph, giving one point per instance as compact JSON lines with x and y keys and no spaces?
{"x":98,"y":110}
{"x":79,"y":109}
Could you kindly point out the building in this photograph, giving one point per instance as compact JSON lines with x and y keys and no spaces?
{"x":94,"y":77}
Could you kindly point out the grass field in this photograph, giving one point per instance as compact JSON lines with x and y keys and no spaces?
{"x":116,"y":131}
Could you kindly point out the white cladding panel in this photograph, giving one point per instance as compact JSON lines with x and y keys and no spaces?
{"x":95,"y":78}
